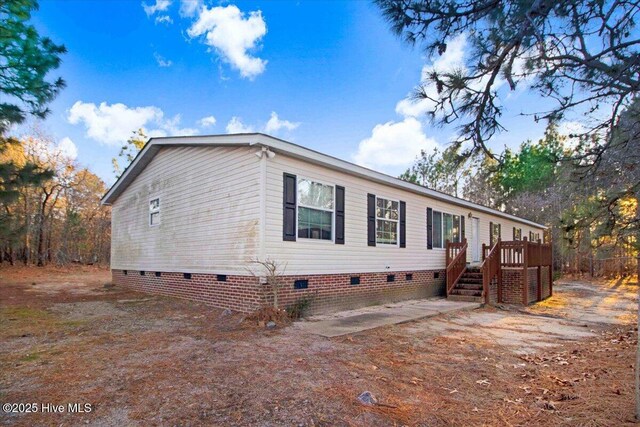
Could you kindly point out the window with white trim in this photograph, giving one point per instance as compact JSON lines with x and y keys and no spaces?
{"x":446,"y":226}
{"x":495,"y":232}
{"x":154,"y":212}
{"x":316,"y":209}
{"x":387,"y":221}
{"x":517,"y":234}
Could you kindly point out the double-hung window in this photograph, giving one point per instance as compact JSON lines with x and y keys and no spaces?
{"x":446,"y":226}
{"x":517,"y":233}
{"x":494,"y":233}
{"x":154,"y":212}
{"x":387,"y":221}
{"x":315,"y":210}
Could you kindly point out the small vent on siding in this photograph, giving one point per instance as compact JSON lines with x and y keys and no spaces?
{"x":355,"y":280}
{"x":391,"y":277}
{"x":222,"y":277}
{"x":187,"y":276}
{"x":158,"y":274}
{"x":142,"y":273}
{"x":409,"y":276}
{"x":436,"y":275}
{"x":125,"y":272}
{"x":301,"y":284}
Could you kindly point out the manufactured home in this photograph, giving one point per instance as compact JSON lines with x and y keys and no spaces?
{"x":192,"y":216}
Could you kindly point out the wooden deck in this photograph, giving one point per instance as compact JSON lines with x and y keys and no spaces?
{"x":463,"y":280}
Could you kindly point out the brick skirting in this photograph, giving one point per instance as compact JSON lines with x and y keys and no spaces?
{"x":512,"y":285}
{"x":325,"y":292}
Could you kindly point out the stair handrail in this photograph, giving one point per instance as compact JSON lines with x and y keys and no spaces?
{"x":456,"y":265}
{"x":491,"y":266}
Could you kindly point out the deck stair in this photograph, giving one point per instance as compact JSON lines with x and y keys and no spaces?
{"x":469,"y":287}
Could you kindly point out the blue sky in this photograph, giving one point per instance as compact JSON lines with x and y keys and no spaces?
{"x":326,"y":75}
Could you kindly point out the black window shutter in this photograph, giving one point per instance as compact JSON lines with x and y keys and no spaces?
{"x":491,"y":234}
{"x":289,"y":208}
{"x":514,"y":233}
{"x":462,"y":231}
{"x":403,"y":224}
{"x":371,"y":219}
{"x":429,"y":228}
{"x":339,"y":215}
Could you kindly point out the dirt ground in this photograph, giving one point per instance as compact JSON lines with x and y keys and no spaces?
{"x":67,"y":336}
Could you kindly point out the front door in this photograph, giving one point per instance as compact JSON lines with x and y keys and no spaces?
{"x":475,"y":239}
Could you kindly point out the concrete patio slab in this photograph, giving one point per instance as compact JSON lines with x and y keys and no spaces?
{"x":362,"y":319}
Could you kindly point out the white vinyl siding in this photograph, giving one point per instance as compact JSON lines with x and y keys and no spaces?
{"x":215,"y":205}
{"x":210,"y":208}
{"x":307,"y":257}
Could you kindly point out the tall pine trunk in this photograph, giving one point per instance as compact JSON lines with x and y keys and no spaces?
{"x":41,"y":230}
{"x":637,"y":231}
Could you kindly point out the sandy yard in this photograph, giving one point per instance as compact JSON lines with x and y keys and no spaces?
{"x":67,"y":336}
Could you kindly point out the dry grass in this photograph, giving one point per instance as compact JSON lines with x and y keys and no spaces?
{"x":158,"y":361}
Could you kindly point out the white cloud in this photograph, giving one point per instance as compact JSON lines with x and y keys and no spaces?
{"x":275,"y":124}
{"x":235,"y":125}
{"x":163,"y":19}
{"x":208,"y":121}
{"x":396,"y":144}
{"x":572,"y":130}
{"x":159,"y":6}
{"x":569,"y":127}
{"x":113,"y":124}
{"x":188,"y":8}
{"x":172,"y":127}
{"x":393,"y":144}
{"x":232,"y":34}
{"x":162,"y":62}
{"x":450,"y":60}
{"x":67,"y":148}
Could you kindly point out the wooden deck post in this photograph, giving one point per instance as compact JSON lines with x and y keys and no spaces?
{"x":539,"y":278}
{"x":446,"y":245}
{"x":525,"y":273}
{"x":499,"y":271}
{"x":550,"y":266}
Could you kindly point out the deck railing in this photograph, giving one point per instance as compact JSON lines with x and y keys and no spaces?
{"x":456,"y":262}
{"x":515,"y":254}
{"x":491,"y":267}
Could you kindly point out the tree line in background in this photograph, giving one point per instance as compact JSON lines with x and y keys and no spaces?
{"x":49,"y":207}
{"x":585,"y":186}
{"x":58,"y":218}
{"x":581,"y":57}
{"x":591,"y":216}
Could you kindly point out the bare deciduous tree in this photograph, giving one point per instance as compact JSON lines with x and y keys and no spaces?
{"x":272,"y":272}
